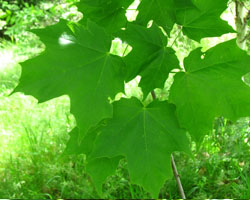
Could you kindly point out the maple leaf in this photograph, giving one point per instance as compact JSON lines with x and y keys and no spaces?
{"x":149,"y":58}
{"x":162,"y":12}
{"x":107,"y":13}
{"x":76,"y":62}
{"x":85,"y":146}
{"x":146,"y":136}
{"x":211,"y":87}
{"x":101,"y":168}
{"x":203,"y":20}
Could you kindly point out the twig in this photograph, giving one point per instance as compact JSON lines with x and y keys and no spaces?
{"x":176,"y":38}
{"x":123,"y":54}
{"x":153,"y":95}
{"x":177,"y":176}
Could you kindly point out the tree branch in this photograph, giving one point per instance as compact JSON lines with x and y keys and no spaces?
{"x":177,"y":178}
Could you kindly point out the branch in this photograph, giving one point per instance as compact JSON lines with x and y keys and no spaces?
{"x":176,"y":38}
{"x":177,"y":178}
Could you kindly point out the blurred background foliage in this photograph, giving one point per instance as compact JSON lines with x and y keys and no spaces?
{"x":16,"y":16}
{"x":33,"y":136}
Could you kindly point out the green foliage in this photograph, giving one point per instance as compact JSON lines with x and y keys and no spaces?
{"x":109,"y":14}
{"x":203,"y":20}
{"x":90,"y":56}
{"x":18,"y":16}
{"x":162,"y":12}
{"x":211,"y":86}
{"x":149,"y":58}
{"x":77,"y":62}
{"x":148,"y":162}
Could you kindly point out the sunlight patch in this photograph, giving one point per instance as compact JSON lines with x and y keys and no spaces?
{"x":131,"y":90}
{"x":246,"y":79}
{"x":132,"y":12}
{"x":6,"y":59}
{"x":120,"y":48}
{"x":66,"y":39}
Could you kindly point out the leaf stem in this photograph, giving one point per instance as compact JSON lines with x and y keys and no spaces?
{"x":176,"y":37}
{"x":125,"y":51}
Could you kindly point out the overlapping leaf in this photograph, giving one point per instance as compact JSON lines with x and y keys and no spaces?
{"x":146,"y":136}
{"x":107,"y":13}
{"x":150,"y":57}
{"x":162,"y":12}
{"x":203,"y":20}
{"x":76,"y":62}
{"x":99,"y":169}
{"x":211,"y":87}
{"x":84,"y":146}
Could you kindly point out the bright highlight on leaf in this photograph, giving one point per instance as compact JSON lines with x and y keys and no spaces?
{"x":65,"y":39}
{"x":82,"y":69}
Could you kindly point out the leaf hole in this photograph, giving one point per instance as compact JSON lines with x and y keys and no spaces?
{"x":150,"y":23}
{"x":132,"y":12}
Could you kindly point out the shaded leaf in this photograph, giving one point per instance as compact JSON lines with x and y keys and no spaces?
{"x":146,"y":136}
{"x":101,"y":168}
{"x":203,"y":20}
{"x":162,"y":12}
{"x":211,"y":86}
{"x":150,"y":57}
{"x":107,"y":13}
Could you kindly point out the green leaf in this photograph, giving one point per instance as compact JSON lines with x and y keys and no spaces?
{"x":101,"y":168}
{"x":107,"y":13}
{"x":162,"y":12}
{"x":73,"y":146}
{"x":146,"y":136}
{"x":150,"y":58}
{"x":76,"y":62}
{"x":204,"y":19}
{"x":84,"y":146}
{"x":211,"y":86}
